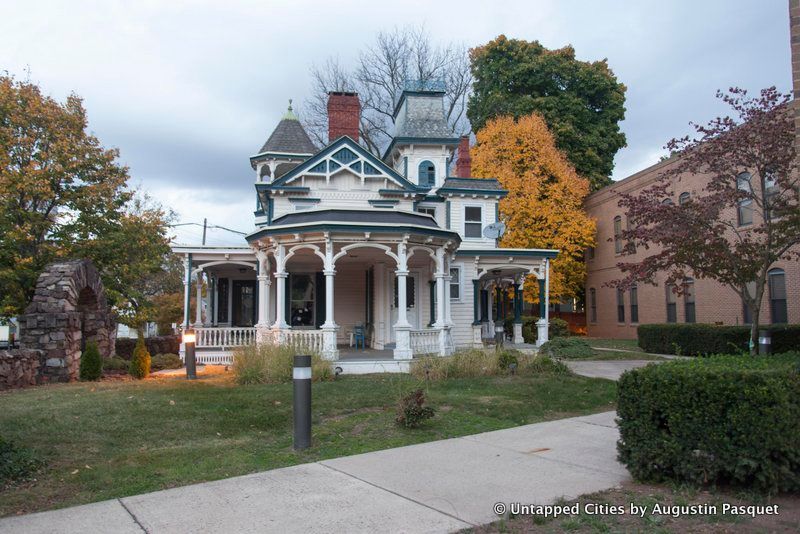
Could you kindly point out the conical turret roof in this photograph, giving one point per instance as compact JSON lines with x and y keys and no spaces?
{"x":289,"y":136}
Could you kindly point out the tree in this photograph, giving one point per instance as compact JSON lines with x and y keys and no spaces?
{"x":543,"y":208}
{"x":581,"y":102}
{"x":63,"y":195}
{"x":91,"y":366}
{"x":140,"y":362}
{"x":382,"y":69}
{"x":704,"y":237}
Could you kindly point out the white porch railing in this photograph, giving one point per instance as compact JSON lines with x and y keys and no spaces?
{"x":224,"y":337}
{"x":310,"y":340}
{"x":425,"y":341}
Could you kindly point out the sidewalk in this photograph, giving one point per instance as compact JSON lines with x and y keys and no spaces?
{"x":441,"y":486}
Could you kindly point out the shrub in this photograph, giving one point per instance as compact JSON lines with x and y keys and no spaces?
{"x":570,"y":348}
{"x":530,"y":333}
{"x":16,"y":463}
{"x":544,"y":365}
{"x":115,"y":363}
{"x":91,"y":366}
{"x":732,"y":420}
{"x":703,"y":339}
{"x":268,"y":363}
{"x":123,"y":346}
{"x":507,"y":357}
{"x":140,"y":363}
{"x":411,"y":410}
{"x":165,"y":361}
{"x":469,"y":363}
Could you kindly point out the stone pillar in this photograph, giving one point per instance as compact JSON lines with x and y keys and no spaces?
{"x":402,"y":328}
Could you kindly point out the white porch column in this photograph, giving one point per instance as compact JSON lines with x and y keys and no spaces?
{"x":329,"y":327}
{"x":280,"y":293}
{"x":263,"y":334}
{"x":441,"y":314}
{"x":198,"y":321}
{"x":544,"y":321}
{"x":402,"y":328}
{"x":448,"y":319}
{"x":187,"y":282}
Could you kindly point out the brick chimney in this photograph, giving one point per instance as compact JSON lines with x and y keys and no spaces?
{"x":344,"y":113}
{"x":464,"y":162}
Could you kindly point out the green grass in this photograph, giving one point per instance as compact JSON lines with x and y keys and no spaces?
{"x":624,"y":344}
{"x":636,"y":353}
{"x":111,"y":439}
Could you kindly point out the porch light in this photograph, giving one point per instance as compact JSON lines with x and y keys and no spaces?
{"x":189,"y":345}
{"x":338,"y":371}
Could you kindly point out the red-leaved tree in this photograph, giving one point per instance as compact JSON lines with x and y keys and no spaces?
{"x":746,"y":217}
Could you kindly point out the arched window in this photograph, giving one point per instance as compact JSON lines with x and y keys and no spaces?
{"x":684,"y":198}
{"x":667,"y":202}
{"x":688,"y":301}
{"x":618,"y":234}
{"x":745,"y":208}
{"x":427,"y":174}
{"x":777,"y":296}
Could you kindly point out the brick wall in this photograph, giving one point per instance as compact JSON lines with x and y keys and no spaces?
{"x":344,"y":113}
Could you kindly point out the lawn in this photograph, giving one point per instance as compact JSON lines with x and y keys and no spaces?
{"x":116,"y":438}
{"x":634,"y":352}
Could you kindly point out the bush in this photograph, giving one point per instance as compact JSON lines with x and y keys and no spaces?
{"x":530,"y":333}
{"x":704,"y":339}
{"x":475,"y":363}
{"x":16,"y":463}
{"x":544,"y":365}
{"x":570,"y":348}
{"x":91,"y":366}
{"x":505,"y":358}
{"x":140,"y":363}
{"x":165,"y":361}
{"x":268,"y":363}
{"x":411,"y":410}
{"x":123,"y":346}
{"x":115,"y":363}
{"x":732,"y":420}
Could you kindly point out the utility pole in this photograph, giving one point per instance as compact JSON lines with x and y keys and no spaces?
{"x":205,"y":224}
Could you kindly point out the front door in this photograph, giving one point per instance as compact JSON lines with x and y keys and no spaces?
{"x":244,"y":302}
{"x":412,"y":307}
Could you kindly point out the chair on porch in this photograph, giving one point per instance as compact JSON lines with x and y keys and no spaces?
{"x":359,"y":336}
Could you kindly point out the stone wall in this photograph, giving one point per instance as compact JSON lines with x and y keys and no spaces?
{"x":155,"y":345}
{"x":19,"y":368}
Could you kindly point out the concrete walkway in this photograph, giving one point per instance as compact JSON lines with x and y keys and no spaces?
{"x":441,"y":486}
{"x":610,"y":369}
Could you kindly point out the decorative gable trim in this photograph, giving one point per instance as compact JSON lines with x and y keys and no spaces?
{"x":344,"y":154}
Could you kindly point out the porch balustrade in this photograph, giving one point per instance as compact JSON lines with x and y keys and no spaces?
{"x":310,"y":340}
{"x":425,"y":341}
{"x":225,"y":337}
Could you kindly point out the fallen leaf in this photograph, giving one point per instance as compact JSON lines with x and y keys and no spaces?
{"x":75,"y":472}
{"x":172,"y":403}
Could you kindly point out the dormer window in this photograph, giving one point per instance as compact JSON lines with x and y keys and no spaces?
{"x":427,"y":174}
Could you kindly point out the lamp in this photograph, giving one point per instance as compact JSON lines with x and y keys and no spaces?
{"x":189,"y":345}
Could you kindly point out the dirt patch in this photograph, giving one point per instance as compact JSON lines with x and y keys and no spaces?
{"x":680,"y":510}
{"x":350,"y":413}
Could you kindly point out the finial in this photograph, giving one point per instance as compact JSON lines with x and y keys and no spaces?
{"x":290,"y":104}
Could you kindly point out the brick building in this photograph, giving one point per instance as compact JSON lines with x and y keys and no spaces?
{"x":613,"y":313}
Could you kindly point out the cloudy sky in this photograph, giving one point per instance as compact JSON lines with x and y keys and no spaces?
{"x":187,"y":90}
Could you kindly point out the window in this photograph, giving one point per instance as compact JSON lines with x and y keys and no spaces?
{"x":630,"y":246}
{"x":618,"y":234}
{"x":672,"y":311}
{"x":473,"y":221}
{"x":667,"y":202}
{"x":770,"y":192}
{"x":455,"y":283}
{"x":592,"y":305}
{"x":745,"y":208}
{"x":410,"y":292}
{"x":777,"y":296}
{"x":688,"y":301}
{"x":634,"y":304}
{"x":427,"y":174}
{"x":684,"y":198}
{"x":620,"y":306}
{"x":222,"y":300}
{"x":427,"y":211}
{"x":301,"y":300}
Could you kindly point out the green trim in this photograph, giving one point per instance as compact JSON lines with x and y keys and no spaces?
{"x":419,"y":141}
{"x":304,"y":199}
{"x":476,"y":288}
{"x":279,"y":155}
{"x":290,"y":188}
{"x":508,"y":252}
{"x":386,"y":202}
{"x":405,"y":167}
{"x":447,"y":214}
{"x":458,"y":191}
{"x":187,"y":295}
{"x":317,"y":227}
{"x":541,"y":299}
{"x":355,"y":147}
{"x":497,"y":213}
{"x":431,"y":291}
{"x":414,"y":191}
{"x":270,"y":209}
{"x":517,"y":304}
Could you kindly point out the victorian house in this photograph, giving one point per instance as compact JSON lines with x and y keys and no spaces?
{"x":368,"y":260}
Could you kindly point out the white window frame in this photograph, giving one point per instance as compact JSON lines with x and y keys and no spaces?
{"x":460,"y":282}
{"x":464,"y":220}
{"x":419,"y":208}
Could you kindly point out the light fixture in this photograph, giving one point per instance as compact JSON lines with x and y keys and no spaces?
{"x":338,"y":370}
{"x":189,"y":345}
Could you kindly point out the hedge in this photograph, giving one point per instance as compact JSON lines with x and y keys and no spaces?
{"x":155,"y":345}
{"x":729,"y":420}
{"x":703,"y":339}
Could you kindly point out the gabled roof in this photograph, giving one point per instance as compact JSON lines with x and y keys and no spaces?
{"x":289,"y":137}
{"x":345,"y":154}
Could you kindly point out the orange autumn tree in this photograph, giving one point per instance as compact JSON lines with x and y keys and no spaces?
{"x":544,"y":206}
